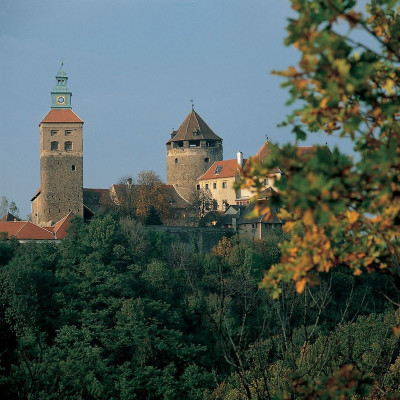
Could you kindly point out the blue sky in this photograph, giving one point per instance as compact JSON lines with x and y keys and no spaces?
{"x":133,"y":66}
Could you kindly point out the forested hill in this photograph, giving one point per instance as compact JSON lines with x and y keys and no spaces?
{"x":119,"y":312}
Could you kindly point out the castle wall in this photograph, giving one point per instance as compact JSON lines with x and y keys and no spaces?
{"x":204,"y":238}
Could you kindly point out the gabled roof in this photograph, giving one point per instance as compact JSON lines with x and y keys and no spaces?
{"x":305,"y":150}
{"x":175,"y":199}
{"x":264,"y":152}
{"x":222,"y":169}
{"x":193,"y":128}
{"x":10,"y":217}
{"x":93,"y":199}
{"x":60,"y":228}
{"x":61,"y":115}
{"x":25,"y":230}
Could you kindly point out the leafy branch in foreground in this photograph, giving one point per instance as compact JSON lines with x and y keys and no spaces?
{"x":347,"y":209}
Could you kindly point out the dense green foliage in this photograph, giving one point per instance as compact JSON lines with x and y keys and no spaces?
{"x":117,"y":311}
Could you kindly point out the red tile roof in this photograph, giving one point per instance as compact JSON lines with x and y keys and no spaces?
{"x":60,"y":228}
{"x":25,"y":230}
{"x":264,"y":151}
{"x":61,"y":115}
{"x":230,"y":168}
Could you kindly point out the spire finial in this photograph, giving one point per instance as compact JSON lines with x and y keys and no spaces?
{"x":61,"y":63}
{"x":266,"y":137}
{"x":191,"y":100}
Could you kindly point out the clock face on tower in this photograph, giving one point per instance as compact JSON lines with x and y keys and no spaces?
{"x":60,"y":99}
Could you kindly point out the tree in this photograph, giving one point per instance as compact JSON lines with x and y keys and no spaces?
{"x":3,"y":206}
{"x":135,"y":198}
{"x":203,"y":203}
{"x":7,"y":206}
{"x":152,"y":217}
{"x":348,"y":209}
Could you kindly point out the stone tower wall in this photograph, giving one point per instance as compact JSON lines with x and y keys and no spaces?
{"x":186,"y":164}
{"x":61,"y":172}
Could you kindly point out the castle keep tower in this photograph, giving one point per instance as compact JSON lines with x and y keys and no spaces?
{"x":190,"y":152}
{"x":61,"y":159}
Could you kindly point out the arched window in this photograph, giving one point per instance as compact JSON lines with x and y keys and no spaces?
{"x":54,"y":145}
{"x":68,"y":146}
{"x":176,"y":161}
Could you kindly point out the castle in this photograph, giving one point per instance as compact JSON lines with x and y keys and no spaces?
{"x":191,"y":150}
{"x":194,"y":165}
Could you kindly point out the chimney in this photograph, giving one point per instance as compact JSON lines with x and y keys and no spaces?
{"x":240,"y":159}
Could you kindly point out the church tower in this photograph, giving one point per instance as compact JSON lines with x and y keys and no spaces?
{"x":61,"y":159}
{"x":191,"y":151}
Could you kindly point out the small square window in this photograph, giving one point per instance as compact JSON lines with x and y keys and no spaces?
{"x":67,"y":133}
{"x":53,"y":133}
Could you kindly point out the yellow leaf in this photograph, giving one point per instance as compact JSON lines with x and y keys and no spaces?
{"x":308,"y":217}
{"x":352,"y":216}
{"x":389,"y":86}
{"x":300,"y":285}
{"x":323,"y":103}
{"x":396,"y":331}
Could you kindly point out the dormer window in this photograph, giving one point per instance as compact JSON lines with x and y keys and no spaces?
{"x":218,"y":169}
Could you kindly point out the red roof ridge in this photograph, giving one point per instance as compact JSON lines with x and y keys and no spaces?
{"x":58,"y":223}
{"x":38,"y":226}
{"x":22,"y":226}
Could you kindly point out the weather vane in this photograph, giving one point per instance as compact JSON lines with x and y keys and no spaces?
{"x":62,"y":63}
{"x":266,"y":137}
{"x":191,"y":100}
